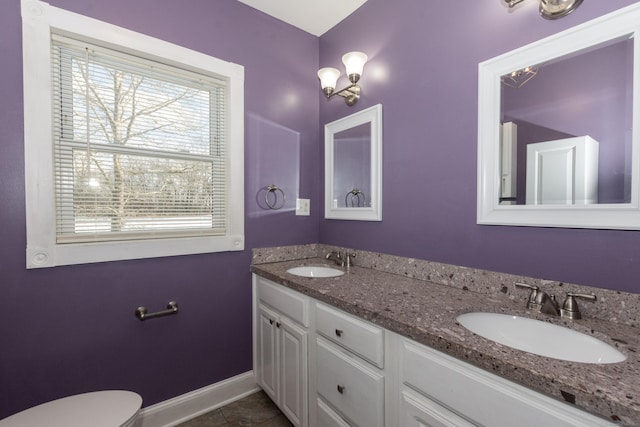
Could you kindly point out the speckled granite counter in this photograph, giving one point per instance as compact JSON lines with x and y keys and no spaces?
{"x":426,"y":312}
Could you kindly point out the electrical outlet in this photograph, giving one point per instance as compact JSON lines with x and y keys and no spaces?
{"x":303,"y":207}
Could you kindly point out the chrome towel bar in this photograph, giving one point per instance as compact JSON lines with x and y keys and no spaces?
{"x":172,"y":308}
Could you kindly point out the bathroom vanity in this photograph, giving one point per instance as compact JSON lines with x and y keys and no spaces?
{"x":370,"y":348}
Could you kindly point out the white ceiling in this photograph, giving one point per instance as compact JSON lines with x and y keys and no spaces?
{"x":313,"y":16}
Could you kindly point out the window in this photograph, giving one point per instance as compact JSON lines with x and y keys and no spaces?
{"x":142,"y":155}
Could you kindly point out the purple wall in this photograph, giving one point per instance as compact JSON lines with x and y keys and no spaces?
{"x":69,"y":330}
{"x":423,"y":68}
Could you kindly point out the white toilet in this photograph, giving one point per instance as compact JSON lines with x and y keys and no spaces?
{"x":110,"y":408}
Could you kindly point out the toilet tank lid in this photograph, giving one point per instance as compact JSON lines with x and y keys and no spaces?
{"x":108,"y":408}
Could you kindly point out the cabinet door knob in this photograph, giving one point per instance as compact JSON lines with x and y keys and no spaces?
{"x":340,"y":389}
{"x":271,"y":321}
{"x":339,"y":332}
{"x":277,"y":324}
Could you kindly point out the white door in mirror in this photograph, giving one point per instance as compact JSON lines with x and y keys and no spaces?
{"x":563,"y":172}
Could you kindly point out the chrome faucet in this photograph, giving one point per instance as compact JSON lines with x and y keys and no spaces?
{"x":336,"y":256}
{"x":544,"y":303}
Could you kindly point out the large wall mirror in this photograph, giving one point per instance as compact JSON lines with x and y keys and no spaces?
{"x":353,"y":166}
{"x":559,"y":129}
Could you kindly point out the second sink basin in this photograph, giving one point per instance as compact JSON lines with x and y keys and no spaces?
{"x":541,"y":338}
{"x":315,"y":271}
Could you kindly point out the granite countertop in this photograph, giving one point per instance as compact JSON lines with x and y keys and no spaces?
{"x":426,"y":312}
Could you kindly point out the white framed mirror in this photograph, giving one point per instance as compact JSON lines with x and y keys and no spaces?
{"x":353,"y":166}
{"x":559,"y":129}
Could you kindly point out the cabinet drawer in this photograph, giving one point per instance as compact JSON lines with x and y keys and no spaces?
{"x":287,"y":302}
{"x":353,"y":334}
{"x":327,"y":417}
{"x":483,"y":397}
{"x":352,"y":388}
{"x":417,"y":411}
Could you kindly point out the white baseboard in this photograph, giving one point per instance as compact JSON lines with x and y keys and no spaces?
{"x":182,"y":408}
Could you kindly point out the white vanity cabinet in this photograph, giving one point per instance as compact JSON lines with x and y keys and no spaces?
{"x":281,"y":318}
{"x":349,"y":360}
{"x":327,"y":368}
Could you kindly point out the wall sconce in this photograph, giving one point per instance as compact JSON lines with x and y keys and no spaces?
{"x":552,"y":9}
{"x":354,"y":63}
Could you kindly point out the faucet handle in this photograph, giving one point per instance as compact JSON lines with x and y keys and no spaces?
{"x":349,"y":258}
{"x":336,"y":256}
{"x":570,"y":307}
{"x":533,"y":296}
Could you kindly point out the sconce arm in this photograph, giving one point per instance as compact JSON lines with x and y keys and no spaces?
{"x":512,"y":3}
{"x":351,"y":94}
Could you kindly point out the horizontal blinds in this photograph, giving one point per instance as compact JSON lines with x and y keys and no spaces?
{"x":139,"y":147}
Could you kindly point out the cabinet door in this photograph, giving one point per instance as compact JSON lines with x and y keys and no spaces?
{"x":417,"y":411}
{"x":267,"y":355}
{"x":293,"y":369}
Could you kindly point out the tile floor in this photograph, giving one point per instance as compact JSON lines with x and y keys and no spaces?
{"x":254,"y":410}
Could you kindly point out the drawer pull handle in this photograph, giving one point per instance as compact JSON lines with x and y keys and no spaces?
{"x":340,"y":389}
{"x":277,"y":324}
{"x":339,"y":332}
{"x":271,"y":321}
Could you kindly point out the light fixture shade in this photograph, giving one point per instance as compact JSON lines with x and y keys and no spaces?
{"x":354,"y":62}
{"x":328,"y":77}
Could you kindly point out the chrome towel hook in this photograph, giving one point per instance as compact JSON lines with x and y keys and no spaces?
{"x":141,"y":312}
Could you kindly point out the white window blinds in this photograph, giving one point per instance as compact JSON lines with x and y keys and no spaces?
{"x":139,"y":147}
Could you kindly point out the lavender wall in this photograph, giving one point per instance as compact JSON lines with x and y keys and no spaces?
{"x":423,"y":68}
{"x":69,"y":330}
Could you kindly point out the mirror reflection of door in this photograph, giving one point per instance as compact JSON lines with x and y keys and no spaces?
{"x":352,"y":167}
{"x":563,"y":172}
{"x":585,"y":94}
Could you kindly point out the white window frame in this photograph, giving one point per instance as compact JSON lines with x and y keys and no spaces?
{"x":39,"y":21}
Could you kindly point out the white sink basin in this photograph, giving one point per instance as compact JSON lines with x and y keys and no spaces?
{"x":315,"y":271}
{"x":537,"y":337}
